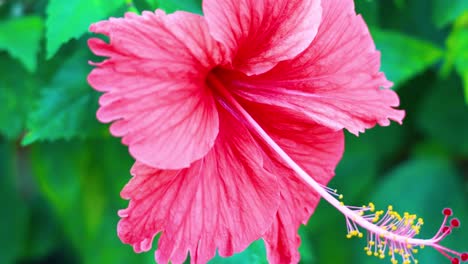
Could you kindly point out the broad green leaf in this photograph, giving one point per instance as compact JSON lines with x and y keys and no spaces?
{"x":82,"y":180}
{"x":457,"y":51}
{"x":67,"y":106}
{"x":254,"y":254}
{"x":152,"y":3}
{"x":171,"y":6}
{"x":359,"y":165}
{"x":369,"y":10}
{"x":71,"y":19}
{"x":443,"y":116}
{"x":13,"y":223}
{"x":363,"y":158}
{"x":423,"y":186}
{"x":412,"y":19}
{"x":327,"y":231}
{"x":21,"y":38}
{"x":400,"y":3}
{"x":307,"y":247}
{"x":44,"y":234}
{"x":444,"y":12}
{"x":403,"y":57}
{"x":18,"y":92}
{"x":463,"y":71}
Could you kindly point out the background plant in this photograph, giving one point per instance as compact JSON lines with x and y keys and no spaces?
{"x":61,"y":172}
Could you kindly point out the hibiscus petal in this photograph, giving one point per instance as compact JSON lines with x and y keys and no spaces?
{"x":336,"y":81}
{"x":155,"y":87}
{"x":297,"y":204}
{"x":224,"y":201}
{"x":317,"y":149}
{"x":261,"y":33}
{"x":282,"y":240}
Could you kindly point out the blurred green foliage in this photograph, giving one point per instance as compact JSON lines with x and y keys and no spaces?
{"x":61,"y":172}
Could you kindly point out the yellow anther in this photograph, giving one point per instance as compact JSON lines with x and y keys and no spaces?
{"x":340,"y":197}
{"x":393,"y":222}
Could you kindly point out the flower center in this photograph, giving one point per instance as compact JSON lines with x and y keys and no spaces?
{"x":218,"y":78}
{"x":387,"y":232}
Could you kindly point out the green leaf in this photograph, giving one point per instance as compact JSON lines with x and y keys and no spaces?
{"x":363,"y":158}
{"x":171,"y":6}
{"x":67,"y":107}
{"x":423,"y":186}
{"x":413,"y":19}
{"x":254,"y":254}
{"x":443,"y":116}
{"x":403,"y":57}
{"x":71,"y":19}
{"x":463,"y":71}
{"x":369,"y":10}
{"x":307,"y":247}
{"x":82,"y":180}
{"x":444,"y":12}
{"x":327,"y":230}
{"x":14,"y":211}
{"x":43,"y":233}
{"x":400,"y":3}
{"x":152,"y":3}
{"x":21,"y":38}
{"x":18,"y":90}
{"x":457,"y":51}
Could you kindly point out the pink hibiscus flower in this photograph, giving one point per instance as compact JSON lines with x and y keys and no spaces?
{"x":236,"y":121}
